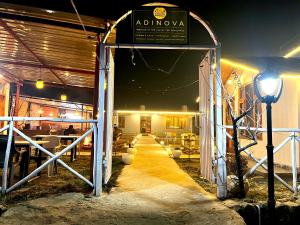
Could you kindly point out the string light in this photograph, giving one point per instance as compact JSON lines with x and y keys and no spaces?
{"x":292,"y":52}
{"x":241,"y":66}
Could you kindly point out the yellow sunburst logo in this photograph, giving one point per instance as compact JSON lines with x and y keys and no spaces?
{"x":159,"y":13}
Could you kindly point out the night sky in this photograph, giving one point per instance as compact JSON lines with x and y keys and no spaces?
{"x":244,"y":28}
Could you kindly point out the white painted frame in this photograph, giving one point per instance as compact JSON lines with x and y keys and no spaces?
{"x":219,"y":142}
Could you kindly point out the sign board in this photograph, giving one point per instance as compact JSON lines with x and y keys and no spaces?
{"x":160,"y":25}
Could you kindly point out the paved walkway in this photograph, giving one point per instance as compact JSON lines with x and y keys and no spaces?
{"x":153,"y":190}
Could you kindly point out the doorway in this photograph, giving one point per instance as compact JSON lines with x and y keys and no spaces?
{"x":145,"y":124}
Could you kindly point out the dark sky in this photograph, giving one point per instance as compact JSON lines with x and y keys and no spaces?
{"x":257,"y":28}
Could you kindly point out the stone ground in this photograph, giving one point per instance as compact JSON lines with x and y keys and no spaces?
{"x":153,"y":190}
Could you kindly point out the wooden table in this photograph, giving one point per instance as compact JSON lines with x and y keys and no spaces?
{"x":24,"y":167}
{"x":71,"y":138}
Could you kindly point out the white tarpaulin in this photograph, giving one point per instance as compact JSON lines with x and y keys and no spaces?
{"x":205,"y":89}
{"x":109,"y":117}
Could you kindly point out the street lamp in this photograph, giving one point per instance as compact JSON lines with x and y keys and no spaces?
{"x":268,"y":88}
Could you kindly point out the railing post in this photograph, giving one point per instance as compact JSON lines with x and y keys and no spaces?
{"x":99,"y":157}
{"x":294,"y":161}
{"x":7,"y":156}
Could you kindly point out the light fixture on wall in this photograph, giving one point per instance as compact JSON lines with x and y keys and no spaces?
{"x":63,"y":97}
{"x":268,"y":89}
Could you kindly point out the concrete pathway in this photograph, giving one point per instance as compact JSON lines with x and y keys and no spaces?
{"x":153,"y":190}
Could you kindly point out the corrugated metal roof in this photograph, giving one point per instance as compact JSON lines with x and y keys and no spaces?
{"x":69,"y":52}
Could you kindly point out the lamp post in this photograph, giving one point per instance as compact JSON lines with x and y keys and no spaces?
{"x":268,"y":88}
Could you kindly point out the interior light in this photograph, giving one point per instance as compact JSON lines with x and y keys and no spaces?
{"x":39,"y":84}
{"x":198,"y":99}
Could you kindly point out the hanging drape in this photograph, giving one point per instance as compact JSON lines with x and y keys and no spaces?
{"x":205,"y":138}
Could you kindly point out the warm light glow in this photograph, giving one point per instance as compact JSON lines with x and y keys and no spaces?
{"x":292,"y":52}
{"x":49,"y":11}
{"x":229,"y":82}
{"x":87,"y":141}
{"x":63,"y":97}
{"x":40,"y":111}
{"x":162,"y":142}
{"x":105,"y":84}
{"x":50,"y":114}
{"x":155,"y":112}
{"x":269,"y":86}
{"x":290,"y":75}
{"x":72,"y":116}
{"x":39,"y":84}
{"x":214,"y":66}
{"x":238,"y":65}
{"x":198,"y":99}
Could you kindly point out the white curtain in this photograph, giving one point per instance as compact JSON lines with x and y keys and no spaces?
{"x":205,"y":123}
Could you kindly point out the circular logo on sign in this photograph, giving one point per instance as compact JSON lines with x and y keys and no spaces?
{"x":159,"y":13}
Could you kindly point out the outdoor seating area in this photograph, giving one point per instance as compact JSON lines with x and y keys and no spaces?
{"x":24,"y":157}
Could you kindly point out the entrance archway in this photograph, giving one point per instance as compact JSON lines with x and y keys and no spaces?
{"x":212,"y":151}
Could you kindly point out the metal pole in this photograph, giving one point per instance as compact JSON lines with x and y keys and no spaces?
{"x":222,"y":174}
{"x":270,"y":156}
{"x":101,"y":99}
{"x":95,"y":103}
{"x":7,"y":156}
{"x":294,"y":162}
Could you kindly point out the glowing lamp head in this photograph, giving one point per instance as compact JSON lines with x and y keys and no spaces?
{"x":39,"y":84}
{"x":268,"y":87}
{"x":63,"y":97}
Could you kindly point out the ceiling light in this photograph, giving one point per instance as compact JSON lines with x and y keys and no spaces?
{"x":39,"y":84}
{"x":63,"y":97}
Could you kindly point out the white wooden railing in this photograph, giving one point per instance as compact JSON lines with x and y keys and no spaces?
{"x":292,"y":137}
{"x":53,"y":157}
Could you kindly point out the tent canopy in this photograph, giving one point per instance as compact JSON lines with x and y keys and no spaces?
{"x":49,"y":45}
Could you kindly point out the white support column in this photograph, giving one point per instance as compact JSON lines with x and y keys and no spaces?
{"x":7,"y":156}
{"x":211,"y":116}
{"x":101,"y":95}
{"x":222,"y":173}
{"x":294,"y":161}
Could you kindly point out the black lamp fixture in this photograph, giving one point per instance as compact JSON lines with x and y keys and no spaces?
{"x":268,"y":88}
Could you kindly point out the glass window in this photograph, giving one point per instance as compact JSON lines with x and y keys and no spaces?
{"x":121,"y":121}
{"x":247,"y":97}
{"x":175,"y":122}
